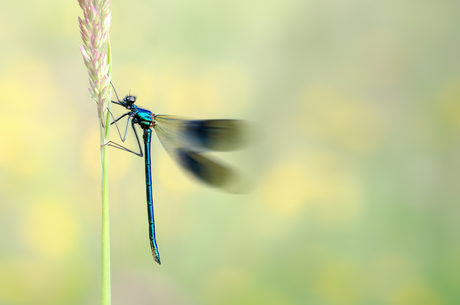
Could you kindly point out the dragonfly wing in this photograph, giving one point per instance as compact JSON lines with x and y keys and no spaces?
{"x":207,"y":170}
{"x":203,"y":135}
{"x":201,"y":167}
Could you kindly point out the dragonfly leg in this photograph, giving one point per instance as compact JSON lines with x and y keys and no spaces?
{"x":113,"y":118}
{"x":116,"y":145}
{"x":127,"y":123}
{"x":119,"y":102}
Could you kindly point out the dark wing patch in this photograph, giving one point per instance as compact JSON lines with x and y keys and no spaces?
{"x":209,"y":171}
{"x":218,"y":135}
{"x":203,"y":135}
{"x":184,"y":140}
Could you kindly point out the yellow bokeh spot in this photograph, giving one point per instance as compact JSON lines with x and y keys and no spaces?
{"x":318,"y":179}
{"x":30,"y":95}
{"x":286,"y":188}
{"x":12,"y":282}
{"x":9,"y":140}
{"x":38,"y":83}
{"x":50,"y":228}
{"x":19,"y":275}
{"x":11,"y":114}
{"x":415,"y":293}
{"x":340,"y":283}
{"x":35,"y":280}
{"x":353,"y":124}
{"x":450,"y":105}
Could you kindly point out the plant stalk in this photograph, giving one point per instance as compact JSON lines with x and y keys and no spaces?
{"x":105,"y":236}
{"x":94,"y":30}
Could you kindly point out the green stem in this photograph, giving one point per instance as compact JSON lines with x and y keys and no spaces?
{"x":105,"y":242}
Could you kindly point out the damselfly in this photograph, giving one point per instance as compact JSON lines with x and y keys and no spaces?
{"x":186,"y":141}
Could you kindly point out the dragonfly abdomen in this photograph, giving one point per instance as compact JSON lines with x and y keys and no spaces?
{"x":148,"y":187}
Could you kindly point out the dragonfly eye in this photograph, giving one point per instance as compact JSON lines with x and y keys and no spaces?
{"x":130,"y":99}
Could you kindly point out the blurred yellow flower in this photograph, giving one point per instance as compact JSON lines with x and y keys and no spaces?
{"x":448,"y":100}
{"x":314,"y":178}
{"x":50,"y":228}
{"x":350,"y":123}
{"x":416,"y":293}
{"x":341,"y":283}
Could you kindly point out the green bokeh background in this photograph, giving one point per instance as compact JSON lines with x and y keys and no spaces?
{"x":356,"y":173}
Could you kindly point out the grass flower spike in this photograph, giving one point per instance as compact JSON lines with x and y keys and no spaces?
{"x":94,"y":29}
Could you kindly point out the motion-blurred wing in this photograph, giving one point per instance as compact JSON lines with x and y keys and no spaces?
{"x":181,"y":139}
{"x":202,"y":135}
{"x":207,"y":170}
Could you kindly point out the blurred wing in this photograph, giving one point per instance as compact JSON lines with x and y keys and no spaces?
{"x":203,"y":135}
{"x":174,"y":137}
{"x":207,"y":170}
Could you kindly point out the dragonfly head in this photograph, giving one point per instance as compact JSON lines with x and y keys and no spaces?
{"x":129,"y":100}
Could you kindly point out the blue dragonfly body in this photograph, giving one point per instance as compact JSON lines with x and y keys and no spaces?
{"x":186,"y":141}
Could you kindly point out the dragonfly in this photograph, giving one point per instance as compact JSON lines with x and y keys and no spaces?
{"x":185,"y":140}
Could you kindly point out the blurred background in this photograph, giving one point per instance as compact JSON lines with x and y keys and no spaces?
{"x":356,"y":170}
